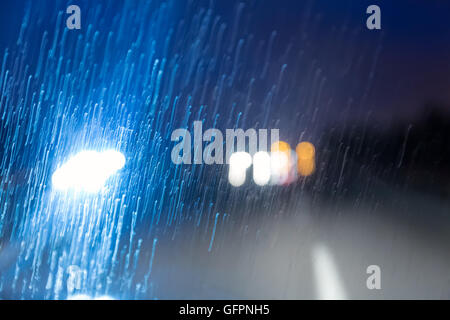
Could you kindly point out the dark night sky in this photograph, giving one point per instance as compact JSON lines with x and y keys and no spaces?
{"x":411,"y":69}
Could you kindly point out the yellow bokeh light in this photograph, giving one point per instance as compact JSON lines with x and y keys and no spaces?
{"x":305,"y":150}
{"x":306,"y":163}
{"x":280,"y":146}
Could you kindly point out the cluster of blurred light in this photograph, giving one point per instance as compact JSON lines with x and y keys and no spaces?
{"x":279,"y":167}
{"x":88,"y":171}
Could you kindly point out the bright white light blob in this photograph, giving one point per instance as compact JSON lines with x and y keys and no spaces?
{"x":239,"y":163}
{"x":104,"y":298}
{"x":80,"y":297}
{"x":261,"y":168}
{"x":328,"y":282}
{"x":88,"y":170}
{"x":279,"y":163}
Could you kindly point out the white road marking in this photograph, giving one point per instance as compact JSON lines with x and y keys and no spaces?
{"x":328,"y":282}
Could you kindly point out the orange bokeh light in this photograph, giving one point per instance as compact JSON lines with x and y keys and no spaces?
{"x":306,"y":163}
{"x":280,"y":146}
